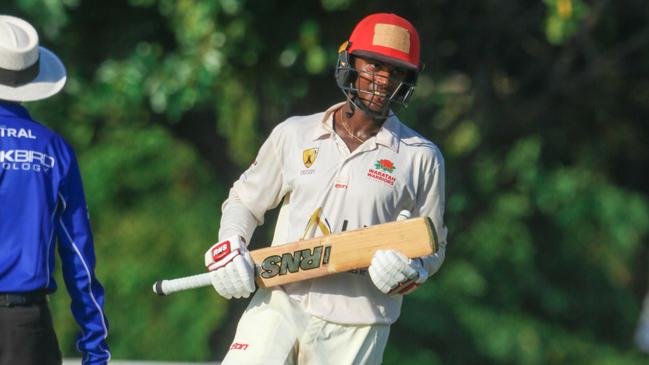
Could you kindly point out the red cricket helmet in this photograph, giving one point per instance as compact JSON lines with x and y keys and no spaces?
{"x":387,"y":38}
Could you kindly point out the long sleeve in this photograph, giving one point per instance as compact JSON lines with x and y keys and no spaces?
{"x":78,"y":263}
{"x":431,"y":202}
{"x":260,"y":188}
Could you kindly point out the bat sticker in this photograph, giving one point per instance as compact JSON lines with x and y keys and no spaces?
{"x":306,"y":259}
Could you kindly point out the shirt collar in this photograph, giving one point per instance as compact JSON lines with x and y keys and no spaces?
{"x":325,"y":127}
{"x":387,"y":136}
{"x":13,"y":110}
{"x":390,"y":133}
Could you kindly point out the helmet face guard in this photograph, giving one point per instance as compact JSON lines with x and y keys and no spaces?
{"x":347,"y":75}
{"x":387,"y":38}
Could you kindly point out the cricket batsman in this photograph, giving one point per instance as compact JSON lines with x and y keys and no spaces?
{"x":353,"y":165}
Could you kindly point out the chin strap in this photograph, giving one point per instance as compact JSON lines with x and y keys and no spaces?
{"x":352,"y":107}
{"x":354,"y":101}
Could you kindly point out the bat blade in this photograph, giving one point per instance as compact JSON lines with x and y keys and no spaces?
{"x":341,"y":252}
{"x":326,"y":255}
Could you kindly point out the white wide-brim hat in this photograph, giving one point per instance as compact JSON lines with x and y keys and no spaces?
{"x":28,"y":72}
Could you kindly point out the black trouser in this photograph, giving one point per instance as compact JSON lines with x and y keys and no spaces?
{"x":27,"y":334}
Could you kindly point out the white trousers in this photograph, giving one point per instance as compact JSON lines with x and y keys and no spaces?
{"x":274,"y":329}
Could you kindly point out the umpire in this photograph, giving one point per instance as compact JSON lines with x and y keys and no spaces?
{"x":41,"y":202}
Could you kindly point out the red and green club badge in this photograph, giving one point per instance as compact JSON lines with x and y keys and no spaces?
{"x":385,"y":165}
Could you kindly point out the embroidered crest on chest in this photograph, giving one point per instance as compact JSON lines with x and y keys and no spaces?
{"x":383,"y":171}
{"x":309,"y":157}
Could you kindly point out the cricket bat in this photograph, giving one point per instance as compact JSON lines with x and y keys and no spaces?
{"x":325,"y":255}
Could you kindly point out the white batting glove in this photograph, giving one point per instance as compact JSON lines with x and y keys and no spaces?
{"x":231,"y":268}
{"x":395,"y":274}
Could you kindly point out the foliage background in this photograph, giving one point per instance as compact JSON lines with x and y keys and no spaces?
{"x":540,"y":108}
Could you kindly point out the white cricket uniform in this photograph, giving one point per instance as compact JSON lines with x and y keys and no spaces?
{"x":323,"y":188}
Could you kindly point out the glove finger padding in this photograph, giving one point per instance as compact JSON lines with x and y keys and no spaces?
{"x":393,"y":273}
{"x":241,"y":276}
{"x":219,"y":282}
{"x":231,"y":267}
{"x":387,"y":269}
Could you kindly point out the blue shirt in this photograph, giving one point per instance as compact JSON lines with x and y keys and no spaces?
{"x":42,"y":202}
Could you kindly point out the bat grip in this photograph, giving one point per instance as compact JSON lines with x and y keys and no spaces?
{"x":166,"y":287}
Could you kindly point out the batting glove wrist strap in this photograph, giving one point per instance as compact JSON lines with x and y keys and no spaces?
{"x":231,"y":267}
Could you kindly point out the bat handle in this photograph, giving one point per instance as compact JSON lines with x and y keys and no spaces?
{"x":166,"y":287}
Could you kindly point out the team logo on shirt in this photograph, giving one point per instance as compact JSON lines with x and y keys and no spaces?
{"x":385,"y":165}
{"x":382,"y":171}
{"x":308,"y":156}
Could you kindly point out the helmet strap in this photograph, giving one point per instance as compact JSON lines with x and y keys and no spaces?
{"x":354,"y":101}
{"x":352,"y":108}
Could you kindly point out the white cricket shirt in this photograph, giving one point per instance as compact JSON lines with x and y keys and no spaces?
{"x":324,"y":188}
